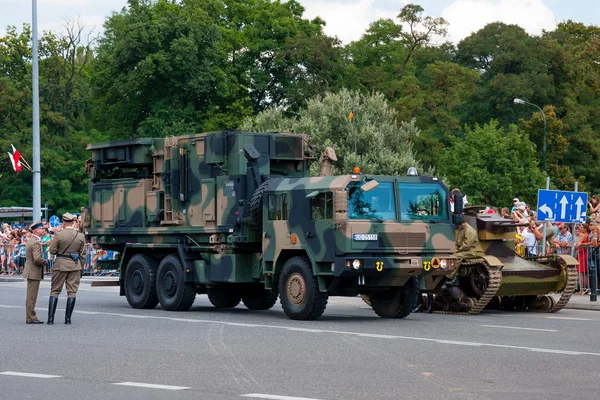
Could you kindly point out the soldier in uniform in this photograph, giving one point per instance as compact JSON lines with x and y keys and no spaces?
{"x":34,"y":270}
{"x":69,"y":248}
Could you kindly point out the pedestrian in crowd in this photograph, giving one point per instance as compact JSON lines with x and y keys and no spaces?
{"x":515,"y":204}
{"x":581,"y":248}
{"x":504,"y":212}
{"x":594,"y":204}
{"x":68,"y":246}
{"x":563,"y":239}
{"x":34,"y":271}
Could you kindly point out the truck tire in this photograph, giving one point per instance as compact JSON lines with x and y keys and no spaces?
{"x":260,"y":299}
{"x":396,"y":302}
{"x":173,"y":292}
{"x":299,"y":290}
{"x":256,"y":205}
{"x":223,"y":297}
{"x":140,"y":282}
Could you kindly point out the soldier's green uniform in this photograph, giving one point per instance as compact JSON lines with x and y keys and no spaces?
{"x":34,"y":270}
{"x":466,"y":245}
{"x":69,"y":248}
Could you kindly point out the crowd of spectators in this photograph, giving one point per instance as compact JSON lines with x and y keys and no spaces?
{"x":583,"y":244}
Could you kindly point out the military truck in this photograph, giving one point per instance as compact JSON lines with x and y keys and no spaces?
{"x":235,"y":215}
{"x":498,"y":278}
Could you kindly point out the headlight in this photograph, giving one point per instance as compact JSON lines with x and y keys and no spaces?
{"x":356,"y":264}
{"x":443,"y":264}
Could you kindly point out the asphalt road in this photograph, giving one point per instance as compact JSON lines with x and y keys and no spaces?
{"x":115,"y":352}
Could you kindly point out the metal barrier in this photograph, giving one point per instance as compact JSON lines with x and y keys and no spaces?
{"x":589,"y":261}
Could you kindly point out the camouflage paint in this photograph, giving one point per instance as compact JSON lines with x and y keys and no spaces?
{"x":191,"y":195}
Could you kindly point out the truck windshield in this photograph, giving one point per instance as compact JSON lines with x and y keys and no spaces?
{"x":423,"y":201}
{"x":376,"y":204}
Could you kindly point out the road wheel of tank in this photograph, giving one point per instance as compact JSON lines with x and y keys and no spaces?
{"x":140,"y":282}
{"x":479,"y":279}
{"x":260,"y":299}
{"x":173,"y":292}
{"x":223,"y":297}
{"x":299,"y":290}
{"x":396,"y":302}
{"x":256,"y":205}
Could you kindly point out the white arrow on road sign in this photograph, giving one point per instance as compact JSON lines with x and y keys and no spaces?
{"x":563,"y":209}
{"x":547,"y":210}
{"x":579,"y":203}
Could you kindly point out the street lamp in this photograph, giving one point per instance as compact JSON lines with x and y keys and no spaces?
{"x":519,"y":101}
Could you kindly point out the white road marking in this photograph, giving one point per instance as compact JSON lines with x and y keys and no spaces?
{"x":1,"y":306}
{"x":274,"y":397}
{"x":349,"y":333}
{"x":571,"y":319}
{"x":151,"y":386}
{"x":29,"y":375}
{"x":519,"y":328}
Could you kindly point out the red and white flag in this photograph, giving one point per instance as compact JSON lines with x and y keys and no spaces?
{"x":15,"y":159}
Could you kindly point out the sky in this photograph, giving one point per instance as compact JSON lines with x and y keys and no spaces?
{"x":346,"y":19}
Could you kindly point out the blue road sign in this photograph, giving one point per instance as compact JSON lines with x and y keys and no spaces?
{"x":54,"y":221}
{"x":558,"y":206}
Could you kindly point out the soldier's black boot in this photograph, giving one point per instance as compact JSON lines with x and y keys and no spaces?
{"x":52,"y":309}
{"x":69,"y":311}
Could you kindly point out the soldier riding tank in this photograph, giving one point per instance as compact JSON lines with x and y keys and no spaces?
{"x":499,"y":278}
{"x":234,"y":215}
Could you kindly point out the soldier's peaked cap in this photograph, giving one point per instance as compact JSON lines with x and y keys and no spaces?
{"x":36,"y":225}
{"x":68,"y":217}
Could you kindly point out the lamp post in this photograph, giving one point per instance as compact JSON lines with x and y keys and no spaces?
{"x":519,"y":101}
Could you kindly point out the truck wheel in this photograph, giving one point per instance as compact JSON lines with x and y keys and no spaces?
{"x":299,"y":290}
{"x":260,"y":299}
{"x":140,"y":282}
{"x":396,"y":302}
{"x":174,"y":293}
{"x":223,"y":297}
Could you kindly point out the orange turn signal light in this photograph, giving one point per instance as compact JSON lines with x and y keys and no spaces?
{"x":356,"y":170}
{"x":294,"y":239}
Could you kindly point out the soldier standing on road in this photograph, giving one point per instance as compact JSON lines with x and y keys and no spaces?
{"x":69,"y":248}
{"x":34,"y":270}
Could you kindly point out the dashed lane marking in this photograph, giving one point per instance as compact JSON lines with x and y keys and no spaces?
{"x":151,"y":386}
{"x":519,"y":328}
{"x":571,"y":319}
{"x":274,"y":397}
{"x":29,"y":375}
{"x":349,"y":333}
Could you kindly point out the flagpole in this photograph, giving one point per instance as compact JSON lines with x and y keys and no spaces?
{"x":37,"y":200}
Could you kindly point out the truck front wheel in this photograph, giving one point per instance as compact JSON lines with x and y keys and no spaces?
{"x":174,"y":293}
{"x":140,"y":281}
{"x":299,"y":290}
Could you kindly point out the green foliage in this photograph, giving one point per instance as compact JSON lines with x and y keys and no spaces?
{"x":492,"y":165}
{"x":383,"y":144}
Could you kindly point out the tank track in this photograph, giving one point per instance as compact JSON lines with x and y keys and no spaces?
{"x":567,"y":291}
{"x":495,"y":279}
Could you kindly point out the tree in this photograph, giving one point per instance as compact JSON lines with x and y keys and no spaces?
{"x":512,"y":65}
{"x":383,"y":145}
{"x":492,"y":165}
{"x":421,"y":30}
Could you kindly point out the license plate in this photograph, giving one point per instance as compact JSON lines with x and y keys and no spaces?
{"x":365,"y":237}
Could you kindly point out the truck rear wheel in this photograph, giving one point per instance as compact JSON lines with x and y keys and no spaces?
{"x":173,"y":292}
{"x":223,"y":297}
{"x":260,"y":299}
{"x":140,"y":282}
{"x":396,"y":302}
{"x":299,"y":290}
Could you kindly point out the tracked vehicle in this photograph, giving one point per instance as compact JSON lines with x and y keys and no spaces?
{"x":501,"y":279}
{"x":234,"y":215}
